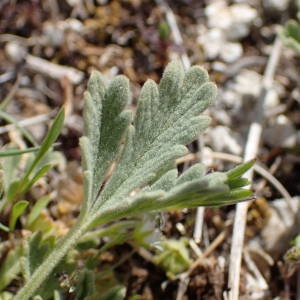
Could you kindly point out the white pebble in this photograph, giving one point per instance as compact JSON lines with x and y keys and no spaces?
{"x":276,"y":5}
{"x":281,"y":133}
{"x":231,"y":52}
{"x":235,"y":20}
{"x":15,"y":51}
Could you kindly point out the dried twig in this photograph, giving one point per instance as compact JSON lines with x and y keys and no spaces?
{"x":199,"y":224}
{"x":10,"y":95}
{"x":175,"y":32}
{"x":261,"y":282}
{"x":7,"y":76}
{"x":185,"y":277}
{"x":27,"y":122}
{"x":53,"y":70}
{"x":251,"y":151}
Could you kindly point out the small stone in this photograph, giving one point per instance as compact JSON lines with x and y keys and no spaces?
{"x":219,"y":66}
{"x":284,"y":222}
{"x":235,"y":20}
{"x":231,"y":52}
{"x":73,"y":24}
{"x":281,"y":133}
{"x":53,"y":33}
{"x":248,"y":82}
{"x":73,"y":3}
{"x":242,"y":18}
{"x":214,"y":44}
{"x":275,"y":5}
{"x":222,"y":117}
{"x":211,"y":41}
{"x":223,"y":140}
{"x":218,"y":15}
{"x":231,"y":99}
{"x":15,"y":51}
{"x":271,"y":99}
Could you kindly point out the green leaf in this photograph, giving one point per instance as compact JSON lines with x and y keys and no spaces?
{"x":13,"y":189}
{"x":18,"y":151}
{"x":49,"y":140}
{"x":117,"y":292}
{"x":195,"y":171}
{"x":10,"y":267}
{"x":240,"y":170}
{"x":39,"y":174}
{"x":6,"y":296}
{"x":165,"y":182}
{"x":85,"y":285}
{"x":10,"y":168}
{"x":164,"y":30}
{"x":23,"y":184}
{"x":17,"y":210}
{"x":129,"y":167}
{"x":173,"y":256}
{"x":37,"y":250}
{"x":143,"y":177}
{"x":167,"y":118}
{"x":238,"y":182}
{"x":105,"y":125}
{"x":92,"y":238}
{"x":4,"y":228}
{"x":290,"y":35}
{"x":37,"y":209}
{"x":25,"y":133}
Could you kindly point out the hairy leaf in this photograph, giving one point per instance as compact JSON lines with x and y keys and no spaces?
{"x":105,"y":124}
{"x":167,"y":118}
{"x":139,"y":175}
{"x":129,"y":164}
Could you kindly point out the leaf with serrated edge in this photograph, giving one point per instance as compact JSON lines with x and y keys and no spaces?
{"x":105,"y":124}
{"x":139,"y":175}
{"x":167,"y":118}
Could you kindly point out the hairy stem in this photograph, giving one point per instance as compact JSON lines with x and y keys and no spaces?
{"x":45,"y":269}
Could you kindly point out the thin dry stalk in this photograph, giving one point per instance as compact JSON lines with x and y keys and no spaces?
{"x":198,"y":228}
{"x":175,"y":31}
{"x":251,"y":151}
{"x":185,"y":277}
{"x":28,"y":122}
{"x":260,"y":280}
{"x":53,"y":70}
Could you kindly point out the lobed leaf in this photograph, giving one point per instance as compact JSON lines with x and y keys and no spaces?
{"x":105,"y":125}
{"x":167,"y":118}
{"x":144,"y":177}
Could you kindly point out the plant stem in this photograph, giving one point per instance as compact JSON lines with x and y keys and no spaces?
{"x":45,"y":269}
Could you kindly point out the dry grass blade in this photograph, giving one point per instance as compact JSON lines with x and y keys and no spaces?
{"x":251,"y":151}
